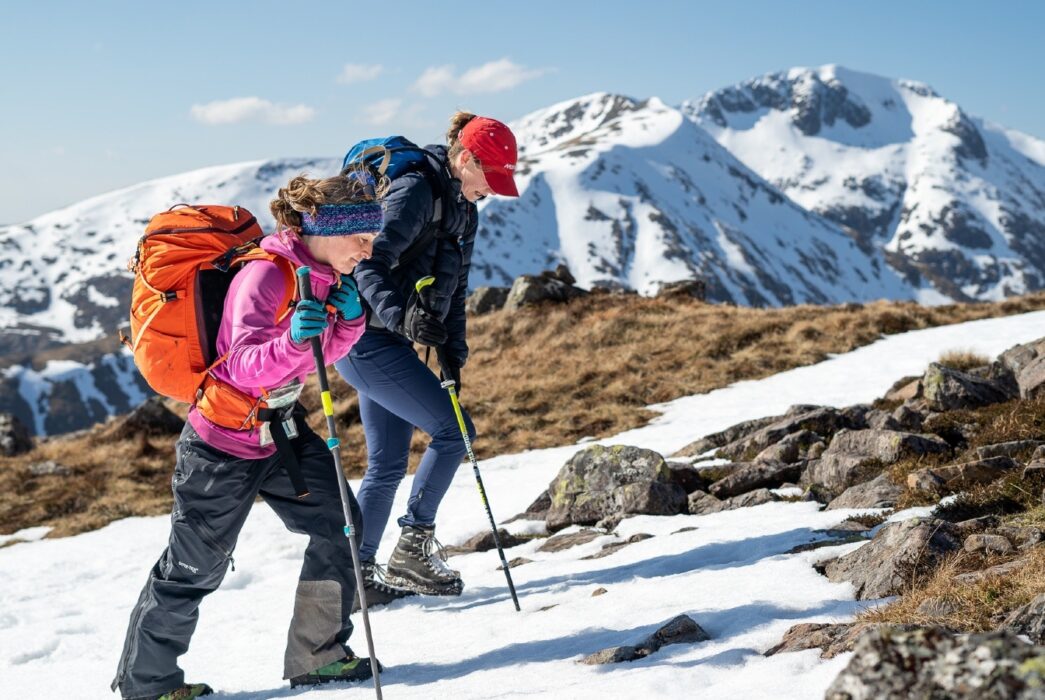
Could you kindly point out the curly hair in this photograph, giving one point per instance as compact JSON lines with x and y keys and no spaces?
{"x":305,"y":195}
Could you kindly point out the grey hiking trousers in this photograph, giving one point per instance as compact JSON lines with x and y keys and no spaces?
{"x":213,"y":492}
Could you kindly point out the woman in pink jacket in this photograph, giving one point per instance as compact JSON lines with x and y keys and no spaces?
{"x":328,"y":225}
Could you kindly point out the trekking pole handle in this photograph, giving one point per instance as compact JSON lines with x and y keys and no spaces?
{"x":304,"y":274}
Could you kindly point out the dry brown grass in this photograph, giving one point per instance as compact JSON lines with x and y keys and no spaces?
{"x":977,"y":606}
{"x":963,"y":360}
{"x":536,"y":378}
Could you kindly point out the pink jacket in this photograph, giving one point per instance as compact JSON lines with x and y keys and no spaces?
{"x":260,"y":352}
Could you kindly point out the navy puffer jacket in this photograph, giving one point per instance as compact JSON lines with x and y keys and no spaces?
{"x":409,"y":207}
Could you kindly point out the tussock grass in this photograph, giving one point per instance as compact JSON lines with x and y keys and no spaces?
{"x":963,"y":360}
{"x":977,"y":606}
{"x":536,"y":378}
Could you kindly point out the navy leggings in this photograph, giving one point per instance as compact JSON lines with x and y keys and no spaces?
{"x":396,"y":393}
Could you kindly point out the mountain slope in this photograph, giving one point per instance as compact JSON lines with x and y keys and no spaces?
{"x":631,"y":194}
{"x":956,"y":203}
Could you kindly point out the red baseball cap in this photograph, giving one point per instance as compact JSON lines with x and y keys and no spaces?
{"x":493,"y":144}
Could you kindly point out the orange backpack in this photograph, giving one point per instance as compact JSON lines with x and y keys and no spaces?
{"x":183,"y":267}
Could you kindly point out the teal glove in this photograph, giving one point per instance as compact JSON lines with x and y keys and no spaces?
{"x":308,"y":321}
{"x":345,"y":299}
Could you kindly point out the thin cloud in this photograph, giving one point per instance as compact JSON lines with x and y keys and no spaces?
{"x":359,"y":73}
{"x":382,"y":112}
{"x":238,"y":110}
{"x":495,"y":76}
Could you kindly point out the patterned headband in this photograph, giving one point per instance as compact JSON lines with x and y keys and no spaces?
{"x":343,"y":219}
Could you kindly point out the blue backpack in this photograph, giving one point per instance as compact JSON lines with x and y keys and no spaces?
{"x":393,"y":156}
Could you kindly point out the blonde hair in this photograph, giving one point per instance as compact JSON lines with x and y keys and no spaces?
{"x":453,"y":142}
{"x":305,"y":195}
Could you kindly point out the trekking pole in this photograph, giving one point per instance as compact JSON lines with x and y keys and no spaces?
{"x":305,"y":286}
{"x":450,"y":387}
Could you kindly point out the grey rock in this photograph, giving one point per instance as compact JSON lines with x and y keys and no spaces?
{"x":936,"y":607}
{"x":486,"y":299}
{"x":601,"y":481}
{"x":608,"y":549}
{"x":879,"y":492}
{"x":909,"y":418}
{"x":750,"y":499}
{"x":943,"y":480}
{"x":686,"y":477}
{"x":822,"y":420}
{"x":935,"y":664}
{"x":1006,"y":449}
{"x":694,"y":288}
{"x":975,"y":525}
{"x":1032,"y":379}
{"x":484,"y":542}
{"x":560,"y":542}
{"x":987,"y":544}
{"x":679,"y":630}
{"x":1018,"y":357}
{"x":904,"y":389}
{"x":599,"y":591}
{"x":753,"y":476}
{"x":724,"y":437}
{"x":152,"y":417}
{"x":702,"y":503}
{"x":555,"y":286}
{"x":831,"y":639}
{"x":14,"y":436}
{"x":998,"y":571}
{"x":1029,"y":620}
{"x":791,"y":449}
{"x":1023,"y":536}
{"x":882,"y":420}
{"x":855,"y":456}
{"x":517,"y":561}
{"x":947,"y":389}
{"x":884,"y":565}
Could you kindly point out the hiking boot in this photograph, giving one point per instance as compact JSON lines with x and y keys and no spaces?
{"x":418,"y":563}
{"x":377,"y":589}
{"x":350,"y":669}
{"x":186,"y":692}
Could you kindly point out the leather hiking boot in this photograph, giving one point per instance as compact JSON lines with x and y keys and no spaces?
{"x":378,"y":590}
{"x":189,"y":691}
{"x":350,"y":669}
{"x":418,"y":563}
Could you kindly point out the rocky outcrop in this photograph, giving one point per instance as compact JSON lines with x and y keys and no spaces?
{"x":1029,"y":620}
{"x":898,"y":552}
{"x":949,"y":479}
{"x":486,"y":299}
{"x":946,"y":389}
{"x":932,"y":663}
{"x":821,"y":420}
{"x":724,"y":437}
{"x":757,"y":475}
{"x":1027,"y":364}
{"x":602,"y":481}
{"x":702,"y":503}
{"x":680,"y":630}
{"x":555,"y":286}
{"x":856,"y":455}
{"x":14,"y":436}
{"x":152,"y":417}
{"x":879,"y":492}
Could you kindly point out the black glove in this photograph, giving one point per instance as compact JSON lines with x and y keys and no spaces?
{"x":421,"y":326}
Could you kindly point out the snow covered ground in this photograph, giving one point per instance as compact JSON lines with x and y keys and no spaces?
{"x":65,"y":602}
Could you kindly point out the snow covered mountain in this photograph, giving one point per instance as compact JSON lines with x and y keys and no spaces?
{"x":631,"y":194}
{"x":956,"y":203}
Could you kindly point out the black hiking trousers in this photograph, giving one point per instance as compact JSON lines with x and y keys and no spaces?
{"x":213,"y":492}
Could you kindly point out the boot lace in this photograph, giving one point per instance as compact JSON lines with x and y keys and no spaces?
{"x":435,"y":557}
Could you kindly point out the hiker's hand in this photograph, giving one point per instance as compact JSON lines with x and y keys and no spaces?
{"x":345,"y":300}
{"x":454,"y":370}
{"x":309,"y":320}
{"x":420,"y":326}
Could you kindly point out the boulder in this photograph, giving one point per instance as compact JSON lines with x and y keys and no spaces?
{"x":952,"y":478}
{"x":560,"y":542}
{"x":750,"y":499}
{"x":608,"y":549}
{"x":556,"y":286}
{"x":1029,"y":620}
{"x":486,"y":299}
{"x":822,"y":420}
{"x":601,"y":481}
{"x":1000,"y":571}
{"x":756,"y":475}
{"x":694,"y":288}
{"x":702,"y":503}
{"x":882,"y":420}
{"x":791,"y":449}
{"x":1032,"y":379}
{"x":14,"y":436}
{"x":724,"y":437}
{"x":932,"y":663}
{"x":679,"y":630}
{"x":856,"y":455}
{"x":1019,"y":357}
{"x":947,"y":389}
{"x":909,"y":417}
{"x":904,"y":389}
{"x":686,"y":477}
{"x":152,"y":417}
{"x":484,"y":542}
{"x":883,"y":566}
{"x":987,"y":544}
{"x":1006,"y":449}
{"x":49,"y":468}
{"x":879,"y":492}
{"x":832,"y":639}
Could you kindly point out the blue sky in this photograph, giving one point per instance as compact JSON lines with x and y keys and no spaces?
{"x":102,"y":95}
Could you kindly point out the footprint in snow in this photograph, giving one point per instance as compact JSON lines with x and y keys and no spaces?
{"x":41,"y":652}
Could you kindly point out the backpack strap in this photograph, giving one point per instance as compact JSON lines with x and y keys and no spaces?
{"x":285,"y":265}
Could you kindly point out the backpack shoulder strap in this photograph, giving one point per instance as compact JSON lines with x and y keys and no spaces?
{"x":286,"y":266}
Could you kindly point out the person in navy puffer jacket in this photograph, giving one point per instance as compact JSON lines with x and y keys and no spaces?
{"x":436,"y":206}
